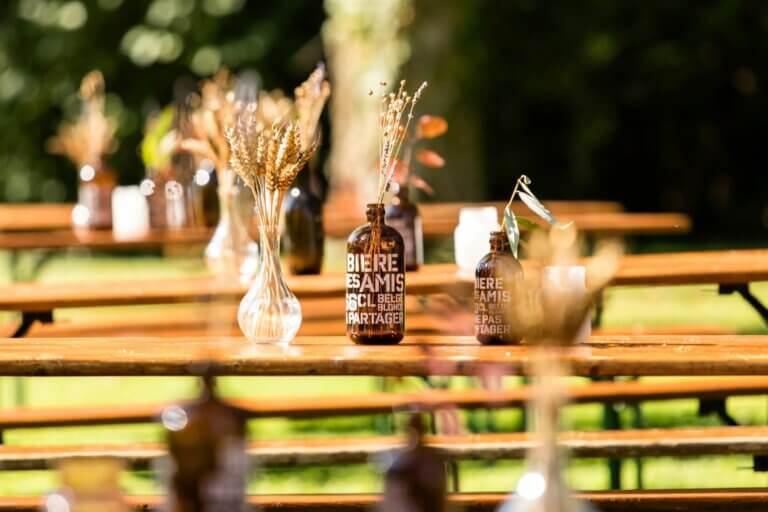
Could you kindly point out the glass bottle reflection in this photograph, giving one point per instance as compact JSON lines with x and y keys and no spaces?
{"x":404,"y":216}
{"x":496,"y":277}
{"x":375,"y":306}
{"x":303,"y":238}
{"x":207,"y":447}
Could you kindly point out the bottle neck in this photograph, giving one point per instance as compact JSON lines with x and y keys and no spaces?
{"x":375,"y":214}
{"x":499,"y":242}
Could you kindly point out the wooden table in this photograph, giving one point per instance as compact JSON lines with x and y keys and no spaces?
{"x":417,"y":356}
{"x":732,"y":271}
{"x":35,"y":216}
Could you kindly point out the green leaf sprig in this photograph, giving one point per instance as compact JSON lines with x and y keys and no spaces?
{"x":511,"y":223}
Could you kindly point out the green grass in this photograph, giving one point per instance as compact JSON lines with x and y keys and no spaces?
{"x":693,"y":305}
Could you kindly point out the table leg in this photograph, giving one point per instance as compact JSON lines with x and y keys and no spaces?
{"x":743,"y":290}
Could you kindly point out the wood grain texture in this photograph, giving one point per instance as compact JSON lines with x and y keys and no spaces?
{"x":354,"y":450}
{"x":35,"y":216}
{"x":382,"y":403}
{"x":688,"y":268}
{"x":417,"y":355}
{"x":698,"y":500}
{"x":65,"y":238}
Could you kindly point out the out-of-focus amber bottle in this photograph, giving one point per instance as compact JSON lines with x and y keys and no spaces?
{"x":94,"y":196}
{"x":88,"y":485}
{"x":403,"y":215}
{"x":206,"y":441}
{"x":303,"y":239}
{"x":416,"y":480}
{"x":375,"y":282}
{"x":496,"y":278}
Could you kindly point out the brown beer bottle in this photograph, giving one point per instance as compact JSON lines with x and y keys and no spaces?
{"x":206,"y":442}
{"x":96,"y":183}
{"x":375,"y":282}
{"x":416,"y":480}
{"x":496,"y":277}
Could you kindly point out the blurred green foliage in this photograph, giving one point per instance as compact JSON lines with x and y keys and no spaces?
{"x":149,"y":52}
{"x":659,"y":105}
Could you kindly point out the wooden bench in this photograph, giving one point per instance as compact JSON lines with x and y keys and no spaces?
{"x":732,"y":271}
{"x":361,"y":450}
{"x":699,"y":500}
{"x":384,"y":403}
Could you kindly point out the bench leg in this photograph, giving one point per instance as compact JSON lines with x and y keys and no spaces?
{"x":638,"y":424}
{"x":717,"y":406}
{"x":611,"y":422}
{"x":743,"y":290}
{"x":28,"y":319}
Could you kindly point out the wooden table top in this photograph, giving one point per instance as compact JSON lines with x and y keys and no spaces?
{"x":35,"y":216}
{"x":705,"y":268}
{"x":418,"y":355}
{"x":100,"y":239}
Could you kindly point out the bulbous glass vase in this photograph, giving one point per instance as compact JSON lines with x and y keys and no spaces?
{"x":231,"y":251}
{"x":269,"y":312}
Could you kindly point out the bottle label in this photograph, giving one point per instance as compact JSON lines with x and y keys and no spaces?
{"x":492,"y":302}
{"x":375,"y":289}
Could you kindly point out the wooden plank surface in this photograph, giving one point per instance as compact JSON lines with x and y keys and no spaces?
{"x":355,"y":450}
{"x":35,"y":216}
{"x":708,"y":267}
{"x":103,"y":239}
{"x":383,"y":403}
{"x":689,"y":500}
{"x":418,"y":355}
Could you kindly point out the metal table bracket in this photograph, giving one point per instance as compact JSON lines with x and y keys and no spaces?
{"x":743,"y":290}
{"x":28,"y":318}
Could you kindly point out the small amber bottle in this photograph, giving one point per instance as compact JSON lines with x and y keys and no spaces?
{"x":375,"y":282}
{"x":206,"y":441}
{"x":96,"y":183}
{"x":496,"y":278}
{"x":403,"y":215}
{"x":303,"y":239}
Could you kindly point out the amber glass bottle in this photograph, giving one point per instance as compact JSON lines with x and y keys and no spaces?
{"x":403,"y":215}
{"x":303,"y":238}
{"x":375,"y":282}
{"x":496,"y":277}
{"x":416,"y":481}
{"x":95,"y":188}
{"x":206,"y":441}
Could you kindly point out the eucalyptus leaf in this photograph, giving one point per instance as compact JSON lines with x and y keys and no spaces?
{"x":535,"y":205}
{"x":513,"y":231}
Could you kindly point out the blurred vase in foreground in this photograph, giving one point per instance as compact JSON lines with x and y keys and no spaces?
{"x":303,"y":239}
{"x":88,"y":485}
{"x":231,"y":251}
{"x":497,"y":277}
{"x":207,"y":448}
{"x":416,"y":480}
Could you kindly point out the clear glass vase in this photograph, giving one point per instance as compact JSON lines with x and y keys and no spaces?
{"x":231,"y":251}
{"x":269,"y":312}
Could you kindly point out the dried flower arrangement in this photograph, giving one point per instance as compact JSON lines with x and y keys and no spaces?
{"x":212,"y":113}
{"x":269,"y":159}
{"x":394,"y":129}
{"x":427,"y":127}
{"x":88,"y":139}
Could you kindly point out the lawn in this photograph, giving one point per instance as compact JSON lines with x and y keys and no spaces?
{"x":699,"y":306}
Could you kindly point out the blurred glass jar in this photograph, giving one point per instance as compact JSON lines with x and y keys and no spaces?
{"x":88,"y":485}
{"x":404,"y":216}
{"x":303,"y":237}
{"x":470,"y":236}
{"x":94,"y":197}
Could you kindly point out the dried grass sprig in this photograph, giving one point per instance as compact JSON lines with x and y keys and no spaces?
{"x":311,"y":97}
{"x":395,"y":117}
{"x":88,"y":139}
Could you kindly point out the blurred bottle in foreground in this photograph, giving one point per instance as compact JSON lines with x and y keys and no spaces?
{"x":88,"y":485}
{"x":416,"y":480}
{"x":207,"y":447}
